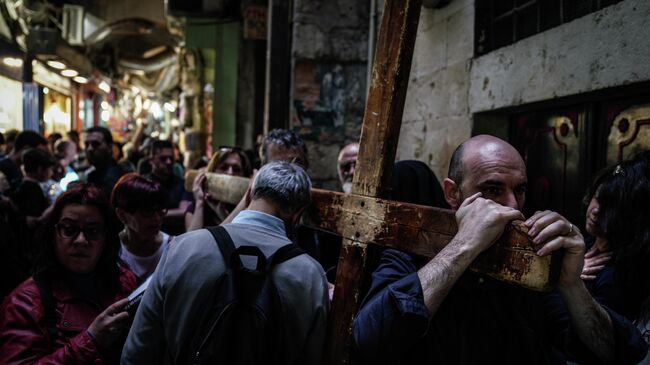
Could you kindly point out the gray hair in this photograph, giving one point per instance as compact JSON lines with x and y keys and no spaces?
{"x":283,"y":138}
{"x":286,"y":184}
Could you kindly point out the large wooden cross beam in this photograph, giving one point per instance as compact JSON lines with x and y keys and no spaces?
{"x":364,"y":217}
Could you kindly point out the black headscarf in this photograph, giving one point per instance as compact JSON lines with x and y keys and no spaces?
{"x":414,"y":182}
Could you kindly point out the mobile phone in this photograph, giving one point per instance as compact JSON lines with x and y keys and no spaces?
{"x":135,"y":297}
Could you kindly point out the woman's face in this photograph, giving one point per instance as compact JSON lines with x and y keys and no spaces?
{"x":79,"y":238}
{"x":231,"y":165}
{"x":591,"y":224}
{"x":145,"y":222}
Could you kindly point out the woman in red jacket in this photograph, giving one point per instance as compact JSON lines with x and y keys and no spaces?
{"x":70,"y":311}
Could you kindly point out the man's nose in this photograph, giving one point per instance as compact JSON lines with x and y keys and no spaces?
{"x":510,"y":200}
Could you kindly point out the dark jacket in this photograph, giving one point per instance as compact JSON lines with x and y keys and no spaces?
{"x":24,"y":335}
{"x":481,"y":321}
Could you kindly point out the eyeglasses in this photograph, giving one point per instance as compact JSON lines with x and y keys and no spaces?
{"x":148,"y":213}
{"x":71,"y":231}
{"x":347,"y":166}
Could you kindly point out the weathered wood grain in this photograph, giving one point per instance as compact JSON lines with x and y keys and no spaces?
{"x":417,"y":229}
{"x":382,"y":117}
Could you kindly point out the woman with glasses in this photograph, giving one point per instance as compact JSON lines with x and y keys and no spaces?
{"x":70,"y":311}
{"x":207,"y":211}
{"x":139,"y":204}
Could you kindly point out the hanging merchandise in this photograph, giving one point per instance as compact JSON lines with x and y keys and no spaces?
{"x":11,"y":108}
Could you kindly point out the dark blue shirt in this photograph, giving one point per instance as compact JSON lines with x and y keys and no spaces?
{"x":481,"y":321}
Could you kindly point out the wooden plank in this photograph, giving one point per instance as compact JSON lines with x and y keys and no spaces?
{"x":278,"y":60}
{"x":225,"y":188}
{"x":350,"y":270}
{"x":382,"y":118}
{"x":416,"y":229}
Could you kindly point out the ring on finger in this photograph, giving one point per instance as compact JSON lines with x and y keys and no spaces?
{"x":570,"y":229}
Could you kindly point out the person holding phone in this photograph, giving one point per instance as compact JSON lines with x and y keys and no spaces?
{"x":72,"y":310}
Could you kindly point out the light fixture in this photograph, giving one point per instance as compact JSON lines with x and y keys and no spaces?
{"x":46,"y":91}
{"x":105,"y":105}
{"x":105,"y":115}
{"x":154,"y":51}
{"x":12,"y":62}
{"x":69,"y":73}
{"x":56,"y":64}
{"x":80,"y":79}
{"x":103,"y":86}
{"x":169,"y":107}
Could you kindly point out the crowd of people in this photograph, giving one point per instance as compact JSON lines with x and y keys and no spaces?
{"x":85,"y":222}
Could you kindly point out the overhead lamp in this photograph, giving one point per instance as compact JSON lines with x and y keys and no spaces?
{"x":80,"y":79}
{"x":103,"y":86}
{"x":69,"y":73}
{"x":56,"y":64}
{"x":105,"y":105}
{"x":169,"y":107}
{"x":12,"y":62}
{"x":105,"y":115}
{"x":46,"y":90}
{"x":154,"y":51}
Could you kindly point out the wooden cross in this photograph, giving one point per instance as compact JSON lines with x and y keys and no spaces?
{"x":363,"y":217}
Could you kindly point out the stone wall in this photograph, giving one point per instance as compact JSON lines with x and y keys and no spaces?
{"x":448,"y":86}
{"x":329,"y":67}
{"x":604,"y":49}
{"x":436,"y":115}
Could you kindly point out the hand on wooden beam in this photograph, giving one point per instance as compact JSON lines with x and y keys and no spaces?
{"x":416,"y":229}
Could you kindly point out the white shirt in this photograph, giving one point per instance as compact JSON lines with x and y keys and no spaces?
{"x":143,"y":266}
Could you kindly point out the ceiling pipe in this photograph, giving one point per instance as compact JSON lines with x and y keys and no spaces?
{"x":149,"y":65}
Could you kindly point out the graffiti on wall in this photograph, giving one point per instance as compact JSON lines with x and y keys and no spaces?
{"x":328,"y":100}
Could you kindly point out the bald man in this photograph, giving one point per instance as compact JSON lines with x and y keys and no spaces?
{"x":445,"y":314}
{"x":346,"y":164}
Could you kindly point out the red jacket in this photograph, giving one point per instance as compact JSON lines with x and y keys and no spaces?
{"x":24,"y":337}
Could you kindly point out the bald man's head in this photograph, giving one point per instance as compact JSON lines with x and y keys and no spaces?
{"x":488,"y":165}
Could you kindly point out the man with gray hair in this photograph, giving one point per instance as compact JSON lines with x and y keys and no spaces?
{"x":180,"y":290}
{"x":284,"y":145}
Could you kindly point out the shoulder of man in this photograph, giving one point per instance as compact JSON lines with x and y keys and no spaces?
{"x":297,"y":269}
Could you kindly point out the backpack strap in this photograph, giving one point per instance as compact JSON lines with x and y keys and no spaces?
{"x":227,"y":247}
{"x":224,"y":241}
{"x":285,"y":253}
{"x":49,"y":305}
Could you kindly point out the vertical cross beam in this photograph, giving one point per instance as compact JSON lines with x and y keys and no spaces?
{"x":379,"y":135}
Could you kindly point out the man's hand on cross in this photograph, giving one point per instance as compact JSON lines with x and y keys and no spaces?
{"x":482,"y":221}
{"x":556,"y":232}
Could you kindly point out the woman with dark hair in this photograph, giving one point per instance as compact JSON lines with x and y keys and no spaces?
{"x":207,"y":211}
{"x":624,"y":220}
{"x":139,"y":204}
{"x":598,"y":250}
{"x":414,"y":182}
{"x":70,"y":311}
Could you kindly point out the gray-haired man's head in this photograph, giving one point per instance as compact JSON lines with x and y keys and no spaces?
{"x":284,"y":145}
{"x":285,"y":184}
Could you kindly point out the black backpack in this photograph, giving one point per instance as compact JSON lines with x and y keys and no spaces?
{"x":243,"y":324}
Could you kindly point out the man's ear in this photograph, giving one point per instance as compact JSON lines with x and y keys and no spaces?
{"x":452,"y":193}
{"x":297,"y":215}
